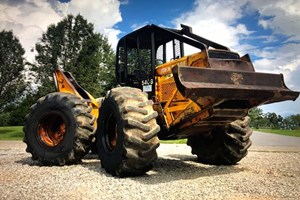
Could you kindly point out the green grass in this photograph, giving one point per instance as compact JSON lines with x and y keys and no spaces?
{"x":11,"y":133}
{"x":16,"y":133}
{"x":180,"y":141}
{"x":295,"y":133}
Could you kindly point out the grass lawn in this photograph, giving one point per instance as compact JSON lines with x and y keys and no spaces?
{"x":295,"y":133}
{"x":16,"y":133}
{"x":11,"y":133}
{"x":180,"y":141}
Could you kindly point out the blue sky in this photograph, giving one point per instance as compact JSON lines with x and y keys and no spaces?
{"x":268,"y":30}
{"x":139,"y":12}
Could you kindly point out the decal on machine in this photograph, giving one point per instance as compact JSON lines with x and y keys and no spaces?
{"x":147,"y":85}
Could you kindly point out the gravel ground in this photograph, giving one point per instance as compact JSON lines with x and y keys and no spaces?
{"x":263,"y":174}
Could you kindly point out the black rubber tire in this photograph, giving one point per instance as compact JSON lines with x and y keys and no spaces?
{"x":127,"y":133}
{"x":225,"y":145}
{"x":79,"y":129}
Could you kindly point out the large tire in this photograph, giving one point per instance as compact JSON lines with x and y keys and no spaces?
{"x":225,"y":145}
{"x":127,"y":133}
{"x":59,"y":129}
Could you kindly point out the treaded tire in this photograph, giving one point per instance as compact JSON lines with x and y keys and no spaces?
{"x":225,"y":146}
{"x":127,"y":133}
{"x":46,"y":116}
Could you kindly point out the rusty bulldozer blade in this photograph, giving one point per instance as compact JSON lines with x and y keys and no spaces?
{"x":216,"y":86}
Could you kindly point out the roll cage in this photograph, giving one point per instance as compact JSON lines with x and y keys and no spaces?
{"x":137,"y":58}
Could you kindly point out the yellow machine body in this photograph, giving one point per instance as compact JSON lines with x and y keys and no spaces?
{"x":176,"y":107}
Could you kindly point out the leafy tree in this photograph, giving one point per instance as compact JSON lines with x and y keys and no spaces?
{"x":256,"y":115}
{"x":12,"y":80}
{"x":293,"y":121}
{"x":285,"y":124}
{"x":280,"y":121}
{"x":296,"y":120}
{"x":16,"y":112}
{"x":73,"y":46}
{"x":273,"y":121}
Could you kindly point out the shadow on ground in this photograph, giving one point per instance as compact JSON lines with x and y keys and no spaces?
{"x":165,"y":169}
{"x":172,"y":168}
{"x":181,"y":167}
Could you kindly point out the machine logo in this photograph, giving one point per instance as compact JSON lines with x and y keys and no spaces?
{"x":236,"y":78}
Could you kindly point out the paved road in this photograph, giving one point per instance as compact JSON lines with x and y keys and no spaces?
{"x":274,"y":142}
{"x":269,"y":139}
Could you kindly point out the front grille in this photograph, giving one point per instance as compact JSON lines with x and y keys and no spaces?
{"x":167,"y":91}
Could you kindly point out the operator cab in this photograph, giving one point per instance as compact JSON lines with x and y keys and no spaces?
{"x":140,"y":52}
{"x":135,"y":64}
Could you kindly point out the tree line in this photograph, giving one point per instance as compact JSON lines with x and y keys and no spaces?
{"x":272,"y":120}
{"x":72,"y":45}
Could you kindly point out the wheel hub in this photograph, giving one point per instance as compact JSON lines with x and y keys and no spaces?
{"x":51,"y":130}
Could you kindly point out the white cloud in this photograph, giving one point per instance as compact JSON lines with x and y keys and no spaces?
{"x":102,"y":13}
{"x":285,"y":60}
{"x":28,"y":19}
{"x":112,"y":35}
{"x":282,"y":17}
{"x":264,"y":23}
{"x":216,"y":21}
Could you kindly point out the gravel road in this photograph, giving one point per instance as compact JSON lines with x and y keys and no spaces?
{"x":263,"y":174}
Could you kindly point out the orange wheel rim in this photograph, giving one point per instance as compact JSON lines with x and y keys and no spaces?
{"x":51,"y":130}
